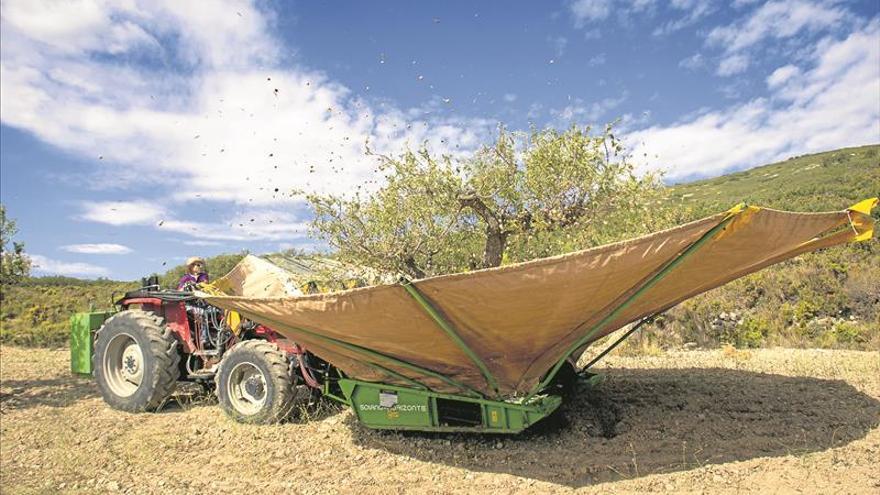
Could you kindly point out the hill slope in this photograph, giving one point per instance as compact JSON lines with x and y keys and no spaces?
{"x":824,"y":299}
{"x":826,"y":181}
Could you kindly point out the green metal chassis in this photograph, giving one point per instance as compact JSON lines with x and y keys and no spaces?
{"x":391,"y":407}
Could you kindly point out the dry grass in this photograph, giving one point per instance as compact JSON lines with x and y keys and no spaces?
{"x":775,"y":420}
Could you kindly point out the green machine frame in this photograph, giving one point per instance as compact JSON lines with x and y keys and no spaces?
{"x":401,"y":408}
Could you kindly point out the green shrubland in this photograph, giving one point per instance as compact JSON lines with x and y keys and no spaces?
{"x":36,"y":311}
{"x":827,"y":299}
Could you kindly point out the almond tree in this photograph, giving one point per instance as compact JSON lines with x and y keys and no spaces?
{"x":523,"y":196}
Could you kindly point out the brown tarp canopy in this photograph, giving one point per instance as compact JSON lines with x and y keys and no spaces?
{"x":517,"y":321}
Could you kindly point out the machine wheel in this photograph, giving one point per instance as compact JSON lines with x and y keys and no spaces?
{"x":135,"y":361}
{"x":255,"y":384}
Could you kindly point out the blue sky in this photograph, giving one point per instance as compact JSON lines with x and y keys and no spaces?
{"x":135,"y":134}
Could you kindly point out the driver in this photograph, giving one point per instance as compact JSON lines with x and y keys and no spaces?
{"x":195,"y":273}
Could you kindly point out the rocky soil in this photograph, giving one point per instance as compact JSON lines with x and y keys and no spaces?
{"x":724,"y":421}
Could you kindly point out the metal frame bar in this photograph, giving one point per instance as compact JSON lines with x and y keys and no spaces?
{"x":376,"y":355}
{"x":617,"y":342}
{"x":432,"y":309}
{"x":644,"y":287}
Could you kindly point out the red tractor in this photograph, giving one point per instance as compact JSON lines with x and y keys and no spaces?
{"x":160,"y":337}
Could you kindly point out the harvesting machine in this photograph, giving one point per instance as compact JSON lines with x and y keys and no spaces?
{"x":487,"y":351}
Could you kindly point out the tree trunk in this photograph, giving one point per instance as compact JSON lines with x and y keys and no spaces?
{"x":496,"y":241}
{"x":496,"y":238}
{"x":412,"y":269}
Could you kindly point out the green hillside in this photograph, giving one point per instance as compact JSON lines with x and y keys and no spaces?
{"x":826,"y":181}
{"x":826,"y":299}
{"x":36,"y":312}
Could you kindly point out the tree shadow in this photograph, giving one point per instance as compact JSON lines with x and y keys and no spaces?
{"x":60,"y":391}
{"x":64,"y":391}
{"x":641,"y":422}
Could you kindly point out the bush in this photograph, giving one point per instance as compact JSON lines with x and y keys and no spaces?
{"x":750,"y":332}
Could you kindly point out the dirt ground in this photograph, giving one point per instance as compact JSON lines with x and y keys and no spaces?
{"x":770,"y":421}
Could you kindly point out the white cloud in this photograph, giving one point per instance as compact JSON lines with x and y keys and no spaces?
{"x":832,"y":104}
{"x":122,"y":212}
{"x":579,"y":111}
{"x":774,"y":20}
{"x":781,"y":75}
{"x":107,"y":248}
{"x":777,"y":19}
{"x":42,"y":265}
{"x":509,"y":97}
{"x":695,"y":10}
{"x":202,"y":243}
{"x":586,"y":11}
{"x":733,"y":64}
{"x":217,"y":113}
{"x":596,"y":60}
{"x":77,"y":26}
{"x":246,"y":224}
{"x":693,"y":62}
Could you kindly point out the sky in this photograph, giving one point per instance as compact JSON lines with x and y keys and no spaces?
{"x":134,"y":134}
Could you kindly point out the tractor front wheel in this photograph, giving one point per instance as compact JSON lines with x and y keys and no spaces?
{"x":135,"y":361}
{"x":255,"y":383}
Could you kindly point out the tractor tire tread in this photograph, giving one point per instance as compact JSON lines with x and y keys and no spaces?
{"x":162,"y":347}
{"x":284,"y":382}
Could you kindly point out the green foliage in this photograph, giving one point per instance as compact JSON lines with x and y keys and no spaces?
{"x":826,"y":181}
{"x":847,"y":333}
{"x":14,"y":264}
{"x":524,"y":196}
{"x":750,"y":332}
{"x":827,"y":299}
{"x":36,"y":312}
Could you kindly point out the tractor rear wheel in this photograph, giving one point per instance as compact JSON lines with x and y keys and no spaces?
{"x":135,"y":361}
{"x":255,"y":383}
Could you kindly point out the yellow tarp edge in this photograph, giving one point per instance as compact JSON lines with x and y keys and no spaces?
{"x":863,"y":224}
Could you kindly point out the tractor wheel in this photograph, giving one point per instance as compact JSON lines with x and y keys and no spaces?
{"x":135,"y":361}
{"x":255,"y":384}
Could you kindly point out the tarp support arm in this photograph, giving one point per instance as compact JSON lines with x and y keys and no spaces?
{"x":616,"y":343}
{"x":449,"y":329}
{"x":375,"y":355}
{"x":645,"y":286}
